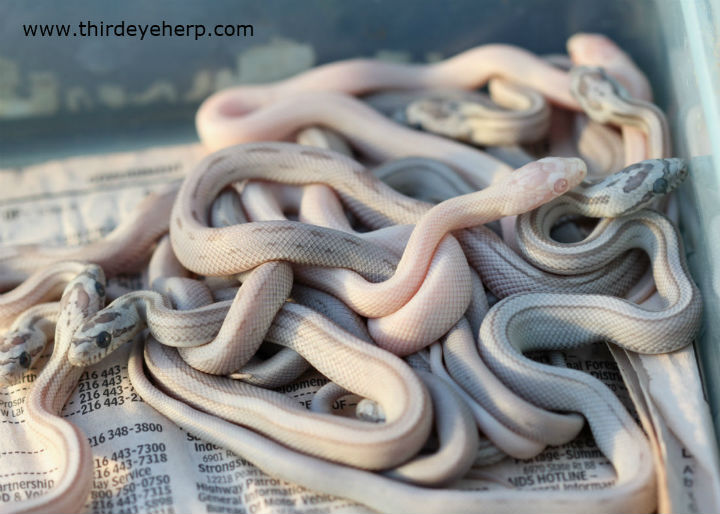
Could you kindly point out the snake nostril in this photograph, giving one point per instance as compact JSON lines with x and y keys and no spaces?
{"x":103,"y":339}
{"x":100,"y":288}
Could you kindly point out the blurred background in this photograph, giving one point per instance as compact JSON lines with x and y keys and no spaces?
{"x":68,"y":95}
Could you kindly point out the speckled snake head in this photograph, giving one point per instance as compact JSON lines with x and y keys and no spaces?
{"x":101,"y":334}
{"x":637,"y":185}
{"x":595,"y":91}
{"x":19,"y":350}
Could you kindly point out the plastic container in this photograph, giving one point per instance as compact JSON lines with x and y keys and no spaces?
{"x":74,"y":95}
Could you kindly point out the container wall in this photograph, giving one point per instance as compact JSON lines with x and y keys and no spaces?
{"x":691,"y":92}
{"x":70,"y":95}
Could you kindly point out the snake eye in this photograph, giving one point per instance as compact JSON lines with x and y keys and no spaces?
{"x":100,"y":288}
{"x":660,"y":186}
{"x":24,"y":360}
{"x":103,"y":339}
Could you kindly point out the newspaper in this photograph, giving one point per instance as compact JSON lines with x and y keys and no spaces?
{"x":144,"y":463}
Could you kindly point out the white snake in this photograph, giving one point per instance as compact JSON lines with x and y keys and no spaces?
{"x":597,"y":50}
{"x":642,"y":182}
{"x":25,"y":340}
{"x":110,"y":325}
{"x":320,"y":97}
{"x":619,"y":438}
{"x":387,"y":381}
{"x":83,"y":296}
{"x":27,"y":325}
{"x":629,"y":455}
{"x":512,"y":115}
{"x":121,"y":320}
{"x":622,"y":193}
{"x":221,"y":251}
{"x":124,"y":249}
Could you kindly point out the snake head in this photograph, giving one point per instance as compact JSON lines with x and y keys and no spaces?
{"x":84,"y":295}
{"x":599,"y":50}
{"x":19,"y":350}
{"x":596,"y":92}
{"x":435,"y":113}
{"x":636,"y":186}
{"x":103,"y":332}
{"x":538,"y":182}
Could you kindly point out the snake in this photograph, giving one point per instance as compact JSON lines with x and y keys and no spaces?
{"x":124,"y":249}
{"x":322,"y":343}
{"x":597,"y":50}
{"x":526,"y":322}
{"x":605,"y":101}
{"x":321,"y":97}
{"x":411,"y":326}
{"x":519,"y":428}
{"x":640,"y":183}
{"x":25,"y":340}
{"x":470,"y":371}
{"x":633,"y":492}
{"x":285,"y":365}
{"x":316,"y":205}
{"x":564,"y":325}
{"x":567,"y":320}
{"x":192,"y":238}
{"x":600,"y":146}
{"x":220,"y":396}
{"x":459,"y":441}
{"x":104,"y":335}
{"x":45,"y":284}
{"x":513,"y":114}
{"x":82,"y":296}
{"x":560,"y":428}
